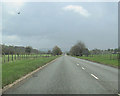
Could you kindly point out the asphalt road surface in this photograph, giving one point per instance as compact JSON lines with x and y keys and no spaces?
{"x":69,"y":75}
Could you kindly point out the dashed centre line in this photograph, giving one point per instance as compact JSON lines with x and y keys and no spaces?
{"x":83,"y":68}
{"x":90,"y":74}
{"x":94,"y":76}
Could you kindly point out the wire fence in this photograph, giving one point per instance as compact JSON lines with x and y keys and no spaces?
{"x":14,"y":57}
{"x":108,"y":56}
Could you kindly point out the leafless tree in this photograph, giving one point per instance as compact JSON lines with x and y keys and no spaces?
{"x":56,"y":51}
{"x":78,"y":49}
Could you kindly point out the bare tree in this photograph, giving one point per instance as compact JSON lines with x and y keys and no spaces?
{"x":78,"y":49}
{"x":49,"y":52}
{"x":28,"y":49}
{"x":56,"y":51}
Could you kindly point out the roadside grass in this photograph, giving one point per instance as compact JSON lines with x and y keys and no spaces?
{"x":103,"y":59}
{"x":12,"y":71}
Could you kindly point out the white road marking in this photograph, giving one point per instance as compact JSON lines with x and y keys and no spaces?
{"x":94,"y":76}
{"x":77,"y":64}
{"x":83,"y":68}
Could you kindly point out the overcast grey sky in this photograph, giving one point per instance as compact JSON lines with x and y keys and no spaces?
{"x":44,"y":25}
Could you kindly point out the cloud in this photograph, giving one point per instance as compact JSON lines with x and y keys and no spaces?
{"x":13,"y":7}
{"x":10,"y":39}
{"x":12,"y":12}
{"x":77,"y":9}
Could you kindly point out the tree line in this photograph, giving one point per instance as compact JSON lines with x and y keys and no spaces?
{"x":28,"y":50}
{"x":79,"y":49}
{"x":18,"y":50}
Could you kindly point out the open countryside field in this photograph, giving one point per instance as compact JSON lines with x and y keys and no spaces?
{"x":108,"y":59}
{"x":16,"y":69}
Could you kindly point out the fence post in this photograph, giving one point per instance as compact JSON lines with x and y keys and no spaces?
{"x":8,"y":57}
{"x":15,"y":56}
{"x":12,"y":57}
{"x":110,"y":57}
{"x":4,"y":58}
{"x":22,"y":55}
{"x":18,"y":56}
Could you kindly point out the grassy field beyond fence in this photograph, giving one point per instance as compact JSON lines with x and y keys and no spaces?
{"x":108,"y":59}
{"x":12,"y":71}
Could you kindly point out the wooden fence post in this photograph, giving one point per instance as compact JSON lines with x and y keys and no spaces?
{"x":15,"y":56}
{"x":4,"y":58}
{"x":110,"y":56}
{"x":12,"y":57}
{"x":8,"y":57}
{"x":18,"y":56}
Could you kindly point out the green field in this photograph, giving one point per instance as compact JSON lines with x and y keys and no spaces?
{"x":111,"y":60}
{"x":12,"y":71}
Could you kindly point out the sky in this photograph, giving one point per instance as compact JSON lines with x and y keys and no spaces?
{"x":43,"y":25}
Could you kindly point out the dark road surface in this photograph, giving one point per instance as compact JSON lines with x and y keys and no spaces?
{"x":69,"y":75}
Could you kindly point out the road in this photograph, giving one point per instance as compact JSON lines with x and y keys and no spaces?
{"x":70,"y":75}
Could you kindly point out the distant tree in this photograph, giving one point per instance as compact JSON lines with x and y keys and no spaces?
{"x":108,"y":49}
{"x":35,"y":51}
{"x":68,"y":53}
{"x":18,"y":49}
{"x":28,"y":49}
{"x":112,"y":50}
{"x":115,"y":50}
{"x":97,"y":51}
{"x":49,"y":52}
{"x":86,"y":52}
{"x":56,"y":51}
{"x":78,"y":49}
{"x":5,"y":49}
{"x":11,"y":50}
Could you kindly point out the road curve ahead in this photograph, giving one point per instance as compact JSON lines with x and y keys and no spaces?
{"x":69,"y":75}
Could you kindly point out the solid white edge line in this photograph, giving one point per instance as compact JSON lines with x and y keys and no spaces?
{"x":94,"y":76}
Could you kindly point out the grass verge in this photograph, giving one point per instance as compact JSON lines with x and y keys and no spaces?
{"x":102,"y":60}
{"x":14,"y":70}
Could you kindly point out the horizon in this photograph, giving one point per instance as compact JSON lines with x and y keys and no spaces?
{"x":46,"y":49}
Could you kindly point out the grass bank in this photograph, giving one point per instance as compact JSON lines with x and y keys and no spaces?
{"x":103,"y":59}
{"x":12,"y":71}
